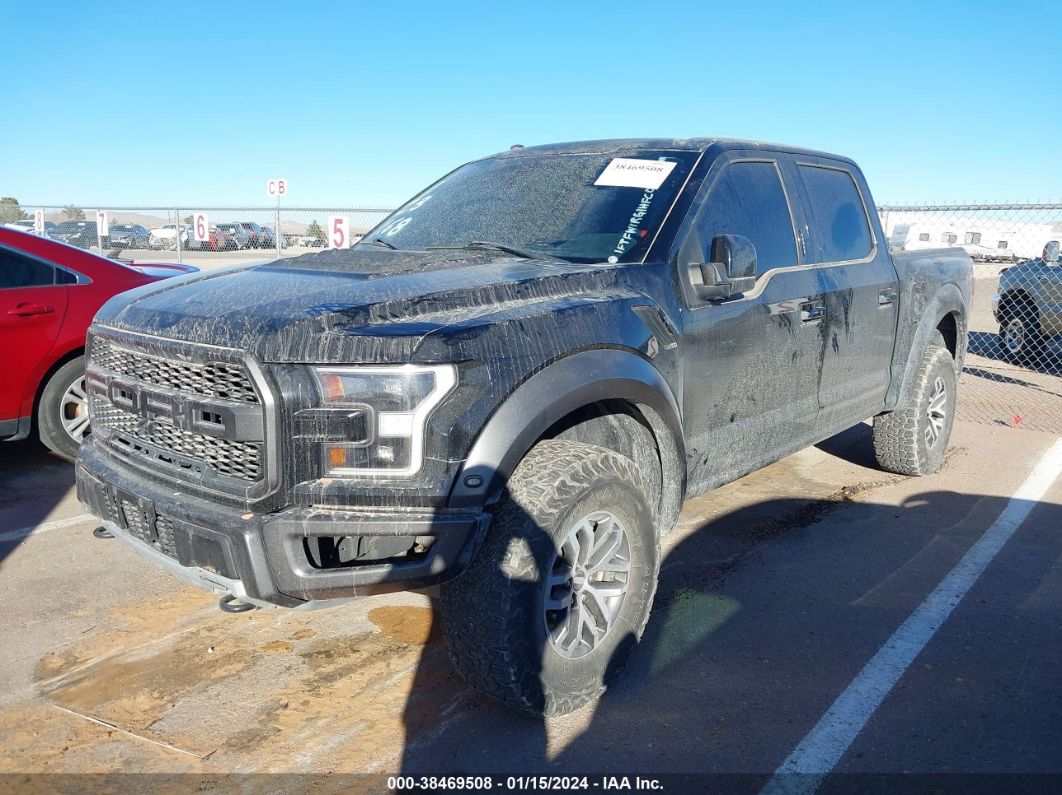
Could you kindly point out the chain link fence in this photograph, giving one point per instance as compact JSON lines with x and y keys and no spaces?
{"x":207,"y":237}
{"x":1012,"y":371}
{"x":1013,"y":367}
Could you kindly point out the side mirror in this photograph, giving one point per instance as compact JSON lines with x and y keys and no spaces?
{"x":737,"y":256}
{"x":731,"y":272}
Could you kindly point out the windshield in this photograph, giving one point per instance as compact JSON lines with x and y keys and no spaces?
{"x":579,"y":207}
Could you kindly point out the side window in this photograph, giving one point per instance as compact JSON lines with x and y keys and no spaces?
{"x":838,"y":214}
{"x":18,"y":271}
{"x":973,"y":238}
{"x":748,"y":200}
{"x":924,"y":237}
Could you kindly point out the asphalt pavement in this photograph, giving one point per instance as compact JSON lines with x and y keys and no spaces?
{"x":778,"y":594}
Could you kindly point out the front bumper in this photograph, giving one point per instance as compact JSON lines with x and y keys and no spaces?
{"x":262,"y":558}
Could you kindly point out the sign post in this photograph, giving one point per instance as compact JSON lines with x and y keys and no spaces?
{"x":102,"y":230}
{"x":277,"y":188}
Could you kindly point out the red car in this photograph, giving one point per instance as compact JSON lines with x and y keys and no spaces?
{"x":49,"y":292}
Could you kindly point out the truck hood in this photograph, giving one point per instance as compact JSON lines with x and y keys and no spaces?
{"x":356,"y":305}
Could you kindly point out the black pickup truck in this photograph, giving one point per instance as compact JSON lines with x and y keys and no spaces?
{"x":510,"y":386}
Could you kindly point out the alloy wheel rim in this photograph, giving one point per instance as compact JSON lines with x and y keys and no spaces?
{"x":586,"y":584}
{"x":936,"y":411}
{"x":73,"y":410}
{"x":1015,"y":336}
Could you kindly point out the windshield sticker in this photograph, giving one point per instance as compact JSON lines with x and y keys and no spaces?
{"x":634,"y":232}
{"x":395,"y":227}
{"x":402,"y":220}
{"x":626,"y":172}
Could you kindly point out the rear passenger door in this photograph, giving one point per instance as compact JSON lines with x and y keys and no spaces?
{"x":859,"y":289}
{"x":751,"y":364}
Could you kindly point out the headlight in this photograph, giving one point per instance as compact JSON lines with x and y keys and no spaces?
{"x":387,"y":408}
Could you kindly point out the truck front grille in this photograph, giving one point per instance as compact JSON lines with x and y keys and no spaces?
{"x":166,"y":413}
{"x":211,"y":379}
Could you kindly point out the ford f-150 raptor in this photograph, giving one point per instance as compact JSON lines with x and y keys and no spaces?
{"x":509,"y":387}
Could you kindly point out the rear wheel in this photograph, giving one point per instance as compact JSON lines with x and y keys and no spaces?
{"x":562,"y":586}
{"x":912,"y":441}
{"x":62,"y":416}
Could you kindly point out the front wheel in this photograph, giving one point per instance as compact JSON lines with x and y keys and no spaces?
{"x":561,"y":588}
{"x":912,"y":441}
{"x":62,"y":415}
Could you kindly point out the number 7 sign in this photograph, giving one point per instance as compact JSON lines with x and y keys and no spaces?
{"x":338,"y":231}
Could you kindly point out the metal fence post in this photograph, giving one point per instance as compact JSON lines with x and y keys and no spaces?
{"x":276,"y":230}
{"x":177,"y":230}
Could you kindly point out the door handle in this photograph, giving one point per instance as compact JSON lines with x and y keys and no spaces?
{"x":811,"y":312}
{"x":887,"y":295}
{"x":28,"y":310}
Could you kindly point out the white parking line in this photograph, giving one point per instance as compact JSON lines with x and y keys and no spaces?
{"x":823,"y":747}
{"x":23,"y":532}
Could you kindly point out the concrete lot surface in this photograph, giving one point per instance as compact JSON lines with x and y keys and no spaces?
{"x":775,"y":592}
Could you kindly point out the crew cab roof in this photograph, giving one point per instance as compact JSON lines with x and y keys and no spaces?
{"x":619,"y":145}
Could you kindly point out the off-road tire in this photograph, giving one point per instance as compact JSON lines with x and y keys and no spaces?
{"x":900,"y":436}
{"x":1033,"y":340}
{"x":49,"y":424}
{"x":492,"y":614}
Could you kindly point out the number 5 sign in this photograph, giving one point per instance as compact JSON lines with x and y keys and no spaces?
{"x":201,"y":227}
{"x":276,"y":188}
{"x":338,"y":231}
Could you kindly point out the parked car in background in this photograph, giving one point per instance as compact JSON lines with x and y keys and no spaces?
{"x":220,"y":240}
{"x":257,"y":236}
{"x":165,"y":237}
{"x":77,"y":233}
{"x":121,"y":236}
{"x":236,"y":237}
{"x":28,"y":225}
{"x":49,"y":292}
{"x":270,"y":238}
{"x":1028,"y":306}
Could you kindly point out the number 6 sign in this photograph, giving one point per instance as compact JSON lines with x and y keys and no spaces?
{"x":338,"y":231}
{"x":201,"y":227}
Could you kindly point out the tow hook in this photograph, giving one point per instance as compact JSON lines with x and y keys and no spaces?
{"x":229,"y":604}
{"x":102,"y":532}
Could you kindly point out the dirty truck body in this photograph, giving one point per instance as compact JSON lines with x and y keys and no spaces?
{"x":511,"y":385}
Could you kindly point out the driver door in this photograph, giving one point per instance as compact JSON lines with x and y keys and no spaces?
{"x":752,"y":362}
{"x":32,"y":307}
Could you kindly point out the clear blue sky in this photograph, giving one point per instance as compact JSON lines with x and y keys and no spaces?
{"x":363,"y":103}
